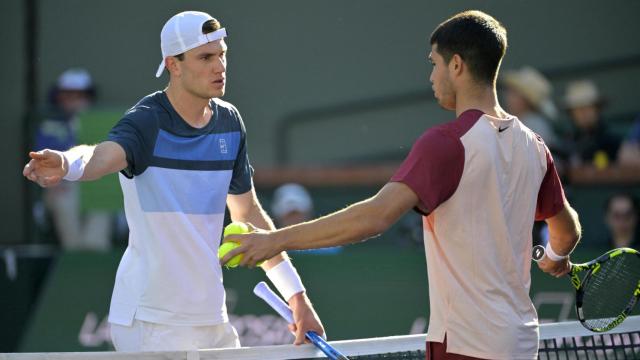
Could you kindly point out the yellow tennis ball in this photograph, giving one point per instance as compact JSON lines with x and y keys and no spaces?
{"x":236,"y":227}
{"x":224,"y":249}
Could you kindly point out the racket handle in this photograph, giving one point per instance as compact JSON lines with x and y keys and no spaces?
{"x":263,"y":291}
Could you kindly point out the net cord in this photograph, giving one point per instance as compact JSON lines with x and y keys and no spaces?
{"x":550,"y":335}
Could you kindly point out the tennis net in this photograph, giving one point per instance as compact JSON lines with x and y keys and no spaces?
{"x":558,"y":341}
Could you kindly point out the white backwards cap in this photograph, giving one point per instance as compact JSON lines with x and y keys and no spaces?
{"x":183,"y":32}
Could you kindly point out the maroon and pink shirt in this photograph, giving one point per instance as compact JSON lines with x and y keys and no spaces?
{"x":481,"y":182}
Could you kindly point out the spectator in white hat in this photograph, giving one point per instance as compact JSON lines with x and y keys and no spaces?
{"x":292,"y":204}
{"x":528,"y":97}
{"x":593,"y":143}
{"x":73,"y":93}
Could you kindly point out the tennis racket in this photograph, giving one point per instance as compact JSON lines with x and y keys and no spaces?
{"x":609,"y":289}
{"x":263,"y":291}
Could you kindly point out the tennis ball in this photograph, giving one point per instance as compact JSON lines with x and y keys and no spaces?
{"x":235,"y":227}
{"x":224,"y":249}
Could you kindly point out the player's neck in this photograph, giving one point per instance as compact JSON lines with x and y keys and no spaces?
{"x":193,"y":110}
{"x":483,"y":98}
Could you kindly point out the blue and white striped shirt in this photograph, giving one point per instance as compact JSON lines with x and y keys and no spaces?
{"x":175,"y":189}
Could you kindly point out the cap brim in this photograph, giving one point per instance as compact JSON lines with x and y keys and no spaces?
{"x":160,"y":69}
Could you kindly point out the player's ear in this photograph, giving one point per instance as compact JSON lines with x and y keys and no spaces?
{"x":456,"y":65}
{"x":172,"y":65}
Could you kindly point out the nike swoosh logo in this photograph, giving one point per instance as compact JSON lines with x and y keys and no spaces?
{"x":502,"y":129}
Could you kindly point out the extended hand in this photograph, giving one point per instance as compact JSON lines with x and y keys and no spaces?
{"x":258,"y":245}
{"x":305,"y":318}
{"x":46,"y":167}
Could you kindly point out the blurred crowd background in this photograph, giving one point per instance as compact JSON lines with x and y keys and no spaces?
{"x":333,"y":94}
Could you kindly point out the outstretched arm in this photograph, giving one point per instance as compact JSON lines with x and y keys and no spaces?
{"x":355,"y":223}
{"x":48,"y":167}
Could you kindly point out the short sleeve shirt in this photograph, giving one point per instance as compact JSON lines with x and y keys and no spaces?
{"x":175,"y":188}
{"x":481,"y":182}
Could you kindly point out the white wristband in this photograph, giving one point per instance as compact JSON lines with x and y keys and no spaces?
{"x":286,"y":279}
{"x":76,"y":163}
{"x":548,"y":251}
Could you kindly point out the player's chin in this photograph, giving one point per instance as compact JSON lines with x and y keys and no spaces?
{"x":447,"y":105}
{"x":216,"y":93}
{"x":216,"y":90}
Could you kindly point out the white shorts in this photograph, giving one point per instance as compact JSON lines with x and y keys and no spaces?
{"x":146,"y":336}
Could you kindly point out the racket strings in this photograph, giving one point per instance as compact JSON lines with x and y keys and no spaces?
{"x":610,"y":290}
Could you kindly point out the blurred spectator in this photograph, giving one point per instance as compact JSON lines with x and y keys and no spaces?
{"x":73,"y":93}
{"x":528,"y":97}
{"x":622,"y":220}
{"x":292,"y":205}
{"x":592,"y":141}
{"x":630,"y":149}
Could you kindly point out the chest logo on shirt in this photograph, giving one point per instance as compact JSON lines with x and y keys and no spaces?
{"x":223,"y":146}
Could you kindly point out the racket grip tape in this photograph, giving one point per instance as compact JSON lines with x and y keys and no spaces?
{"x":263,"y":291}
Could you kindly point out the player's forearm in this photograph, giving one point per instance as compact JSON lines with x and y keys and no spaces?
{"x":259,"y":218}
{"x":565,"y":231}
{"x":99,"y":160}
{"x":247,"y":209}
{"x":80,"y":154}
{"x":357,"y":222}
